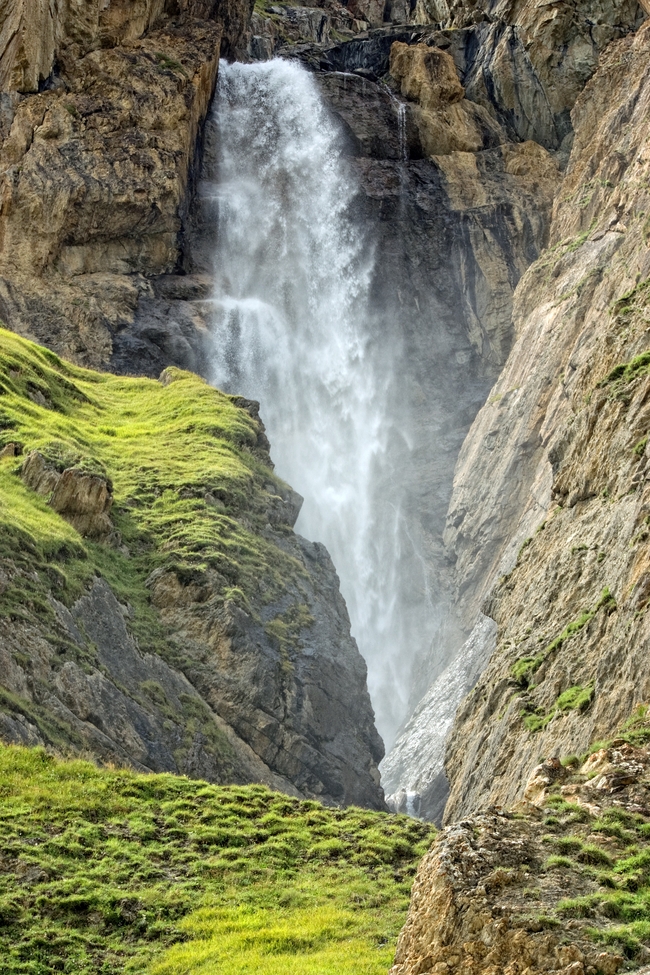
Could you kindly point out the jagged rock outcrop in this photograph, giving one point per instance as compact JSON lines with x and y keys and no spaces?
{"x":554,"y":468}
{"x":447,"y":122}
{"x":156,"y":608}
{"x":534,"y":60}
{"x":83,"y":498}
{"x":535,"y":889}
{"x":275,"y":27}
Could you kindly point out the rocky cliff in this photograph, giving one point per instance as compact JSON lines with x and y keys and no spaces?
{"x":156,"y":608}
{"x":102,"y":114}
{"x":505,"y":471}
{"x":552,"y":530}
{"x":460,"y":120}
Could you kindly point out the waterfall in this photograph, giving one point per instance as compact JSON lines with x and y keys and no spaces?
{"x":292,"y":328}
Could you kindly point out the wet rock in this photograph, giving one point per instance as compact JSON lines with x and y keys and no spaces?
{"x":413,"y":774}
{"x":97,"y":169}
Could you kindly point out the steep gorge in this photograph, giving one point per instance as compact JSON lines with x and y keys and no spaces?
{"x":501,"y":155}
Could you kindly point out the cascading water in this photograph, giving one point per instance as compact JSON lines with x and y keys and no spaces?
{"x":292,"y":329}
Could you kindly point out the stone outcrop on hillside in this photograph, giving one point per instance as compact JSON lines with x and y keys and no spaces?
{"x":83,"y":498}
{"x":517,"y":892}
{"x":236,"y":707}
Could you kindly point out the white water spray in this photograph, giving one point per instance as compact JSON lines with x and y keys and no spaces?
{"x":292,"y":329}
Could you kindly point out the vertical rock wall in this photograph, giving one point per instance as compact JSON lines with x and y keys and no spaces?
{"x":550,"y":501}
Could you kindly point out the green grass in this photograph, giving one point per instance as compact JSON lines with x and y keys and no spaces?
{"x":192,"y":489}
{"x":626,"y":372}
{"x":524,"y":668}
{"x":577,"y":697}
{"x":106,"y":871}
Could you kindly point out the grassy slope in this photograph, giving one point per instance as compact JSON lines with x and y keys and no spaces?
{"x":105,"y":871}
{"x":190,"y":490}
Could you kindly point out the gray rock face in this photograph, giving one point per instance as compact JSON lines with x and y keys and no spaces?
{"x":292,"y":687}
{"x":241,"y":705}
{"x":114,"y":702}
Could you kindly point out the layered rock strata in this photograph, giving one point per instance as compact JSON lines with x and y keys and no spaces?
{"x":101,"y":127}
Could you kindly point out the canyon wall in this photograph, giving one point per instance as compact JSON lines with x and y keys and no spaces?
{"x":551,"y":533}
{"x":460,"y":194}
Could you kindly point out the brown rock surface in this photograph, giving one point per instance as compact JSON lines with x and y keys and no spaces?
{"x":534,"y":59}
{"x":96,"y":170}
{"x":561,"y":446}
{"x":447,"y":122}
{"x":84,"y":499}
{"x":493,"y":897}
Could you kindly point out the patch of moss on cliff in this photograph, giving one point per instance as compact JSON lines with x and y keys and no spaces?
{"x":523,"y":669}
{"x":576,"y":698}
{"x":627,"y":372}
{"x":191,"y":486}
{"x":286,"y":628}
{"x":106,"y":871}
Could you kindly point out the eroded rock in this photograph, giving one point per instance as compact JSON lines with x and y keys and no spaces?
{"x":82,"y":498}
{"x":492,"y":894}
